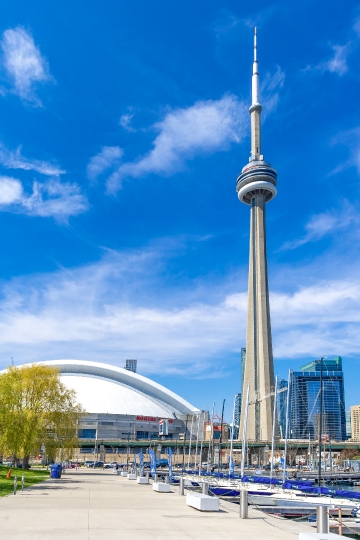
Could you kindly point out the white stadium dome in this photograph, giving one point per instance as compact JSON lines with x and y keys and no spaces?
{"x":103,"y":388}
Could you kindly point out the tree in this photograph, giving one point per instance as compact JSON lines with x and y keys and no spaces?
{"x":37,"y":409}
{"x":350,"y":453}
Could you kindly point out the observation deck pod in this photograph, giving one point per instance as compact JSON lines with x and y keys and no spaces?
{"x":257,"y":176}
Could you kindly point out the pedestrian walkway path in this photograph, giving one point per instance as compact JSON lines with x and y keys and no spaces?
{"x":99,"y":505}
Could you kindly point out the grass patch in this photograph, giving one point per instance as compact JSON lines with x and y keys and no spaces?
{"x":31,"y":477}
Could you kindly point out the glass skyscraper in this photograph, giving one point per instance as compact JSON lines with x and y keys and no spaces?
{"x":281,"y":406}
{"x":305,"y":402}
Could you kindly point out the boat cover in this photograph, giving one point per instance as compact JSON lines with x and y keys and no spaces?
{"x":322,"y":490}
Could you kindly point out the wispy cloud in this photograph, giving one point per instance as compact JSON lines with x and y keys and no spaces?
{"x":105,"y":159}
{"x":125,"y":121}
{"x":49,"y":199}
{"x":270,"y":90}
{"x":225,"y":24}
{"x":325,"y":224}
{"x":207,"y":126}
{"x":350,"y":139}
{"x":338,"y":61}
{"x":24,"y":64}
{"x":15,"y":160}
{"x":111,"y":309}
{"x":258,"y":18}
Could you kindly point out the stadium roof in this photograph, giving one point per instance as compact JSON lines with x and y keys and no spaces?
{"x":103,"y":388}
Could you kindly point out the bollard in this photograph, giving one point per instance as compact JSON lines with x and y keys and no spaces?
{"x":147,"y":475}
{"x":182,"y":486}
{"x":205,"y":488}
{"x":15,"y":484}
{"x":167,"y":481}
{"x":22,"y":482}
{"x":243,"y":504}
{"x":322,"y":519}
{"x":156,"y":478}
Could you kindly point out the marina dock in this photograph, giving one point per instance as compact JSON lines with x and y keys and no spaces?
{"x":96,"y":505}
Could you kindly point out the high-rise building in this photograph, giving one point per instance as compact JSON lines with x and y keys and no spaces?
{"x":235,"y":427}
{"x":348,"y":424}
{"x":131,"y":365}
{"x":305,"y":401}
{"x":281,"y":399}
{"x":355,"y":423}
{"x":256,"y":186}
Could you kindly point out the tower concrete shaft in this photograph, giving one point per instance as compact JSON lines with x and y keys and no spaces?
{"x":256,"y":185}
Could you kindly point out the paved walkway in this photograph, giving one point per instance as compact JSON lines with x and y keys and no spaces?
{"x":98,"y":505}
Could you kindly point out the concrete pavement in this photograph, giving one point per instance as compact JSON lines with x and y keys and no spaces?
{"x":99,"y":505}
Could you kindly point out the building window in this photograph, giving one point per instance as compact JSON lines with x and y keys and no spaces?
{"x":87,"y":433}
{"x":142,"y":434}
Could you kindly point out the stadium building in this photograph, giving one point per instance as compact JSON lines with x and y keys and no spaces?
{"x":123,"y":406}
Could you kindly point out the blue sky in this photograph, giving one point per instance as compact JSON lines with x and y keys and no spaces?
{"x":123,"y":128}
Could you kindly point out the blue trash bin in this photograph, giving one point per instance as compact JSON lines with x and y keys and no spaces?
{"x":55,"y":471}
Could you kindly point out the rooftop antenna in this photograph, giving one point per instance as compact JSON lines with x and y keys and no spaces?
{"x":12,"y":361}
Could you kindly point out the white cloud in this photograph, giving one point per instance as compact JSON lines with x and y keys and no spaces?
{"x":259,"y":18}
{"x":205,"y":127}
{"x":350,"y":139}
{"x":324,"y":224}
{"x":106,"y":158}
{"x":14,"y":160}
{"x":270,"y":90}
{"x":11,"y":190}
{"x":338,"y":62}
{"x":49,"y":199}
{"x":125,"y":121}
{"x":111,"y":309}
{"x":24,"y":63}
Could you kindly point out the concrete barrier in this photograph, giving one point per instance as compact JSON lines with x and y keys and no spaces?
{"x":124,"y":473}
{"x":161,"y":487}
{"x":142,"y":480}
{"x":204,"y":503}
{"x":132,"y":476}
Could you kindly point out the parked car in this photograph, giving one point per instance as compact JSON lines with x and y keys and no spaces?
{"x":89,"y":463}
{"x":110,"y":465}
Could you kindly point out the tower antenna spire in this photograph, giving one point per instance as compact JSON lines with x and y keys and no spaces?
{"x":255,"y":76}
{"x":255,"y":45}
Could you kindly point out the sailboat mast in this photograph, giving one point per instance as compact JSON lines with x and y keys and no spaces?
{"x":197,"y":441}
{"x":273,"y":430}
{"x":221,"y":430}
{"x":287,"y":426}
{"x":232,"y":436}
{"x":210,"y":450}
{"x":320,"y":418}
{"x":243,"y":446}
{"x":190,"y":441}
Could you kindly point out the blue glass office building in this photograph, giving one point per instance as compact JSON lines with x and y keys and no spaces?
{"x":281,"y":406}
{"x":305,"y":402}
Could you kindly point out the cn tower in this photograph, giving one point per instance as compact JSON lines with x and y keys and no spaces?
{"x":256,"y":186}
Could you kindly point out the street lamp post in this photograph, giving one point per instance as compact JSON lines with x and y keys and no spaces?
{"x":128,"y":433}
